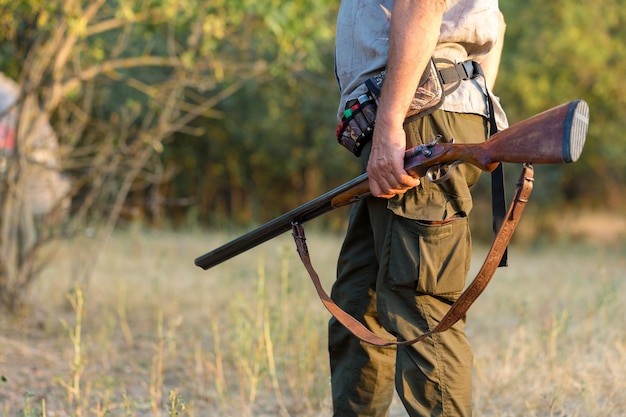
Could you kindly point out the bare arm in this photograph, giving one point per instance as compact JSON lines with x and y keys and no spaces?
{"x":414,"y":31}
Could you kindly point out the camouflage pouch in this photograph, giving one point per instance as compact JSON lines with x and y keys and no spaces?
{"x":440,"y":78}
{"x":427,"y":98}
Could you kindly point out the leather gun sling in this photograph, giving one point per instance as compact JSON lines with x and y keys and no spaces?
{"x":466,"y":299}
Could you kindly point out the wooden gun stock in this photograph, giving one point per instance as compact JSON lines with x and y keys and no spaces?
{"x":553,"y":137}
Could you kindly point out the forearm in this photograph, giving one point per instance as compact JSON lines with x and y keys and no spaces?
{"x":413,"y":36}
{"x":414,"y":31}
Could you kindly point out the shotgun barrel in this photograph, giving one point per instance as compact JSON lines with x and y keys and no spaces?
{"x":276,"y":227}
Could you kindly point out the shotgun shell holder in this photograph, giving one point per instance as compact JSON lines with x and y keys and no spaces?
{"x":357,"y":124}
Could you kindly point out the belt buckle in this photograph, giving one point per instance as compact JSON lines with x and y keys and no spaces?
{"x":468,"y":67}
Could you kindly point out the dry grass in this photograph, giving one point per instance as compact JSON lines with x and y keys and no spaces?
{"x":548,"y":335}
{"x":150,"y":334}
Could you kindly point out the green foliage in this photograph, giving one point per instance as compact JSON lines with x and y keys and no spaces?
{"x":275,"y":136}
{"x":560,"y":51}
{"x":264,"y":143}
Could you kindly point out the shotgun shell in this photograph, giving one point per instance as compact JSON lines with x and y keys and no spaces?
{"x":368,"y":108}
{"x":360,"y":119}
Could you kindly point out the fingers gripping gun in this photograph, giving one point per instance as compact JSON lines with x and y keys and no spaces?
{"x":555,"y":136}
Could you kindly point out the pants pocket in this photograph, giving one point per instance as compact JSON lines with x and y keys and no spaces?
{"x":431,"y":259}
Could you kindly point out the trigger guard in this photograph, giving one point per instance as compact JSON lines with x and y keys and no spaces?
{"x":436,"y":173}
{"x":440,"y":173}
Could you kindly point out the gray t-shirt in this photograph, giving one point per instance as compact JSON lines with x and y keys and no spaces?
{"x":469,"y":31}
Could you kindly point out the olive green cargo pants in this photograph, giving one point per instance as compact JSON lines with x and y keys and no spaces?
{"x":399,"y":275}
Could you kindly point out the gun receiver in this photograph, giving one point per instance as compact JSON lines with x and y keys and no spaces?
{"x":554,"y":136}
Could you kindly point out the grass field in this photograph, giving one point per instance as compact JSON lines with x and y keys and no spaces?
{"x":150,"y":334}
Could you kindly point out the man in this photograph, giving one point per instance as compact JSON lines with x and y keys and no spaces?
{"x":406,"y":253}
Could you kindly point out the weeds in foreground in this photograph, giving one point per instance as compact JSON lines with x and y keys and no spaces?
{"x":77,"y":363}
{"x":152,"y":337}
{"x":31,"y":410}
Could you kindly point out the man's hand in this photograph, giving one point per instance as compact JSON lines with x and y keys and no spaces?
{"x":413,"y":35}
{"x":385,"y":167}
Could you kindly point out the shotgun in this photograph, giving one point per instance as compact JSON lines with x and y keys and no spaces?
{"x":554,"y":136}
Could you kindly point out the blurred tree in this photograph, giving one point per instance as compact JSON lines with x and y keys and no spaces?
{"x":226,"y":109}
{"x":276,"y":137}
{"x":117,"y":79}
{"x":560,"y":51}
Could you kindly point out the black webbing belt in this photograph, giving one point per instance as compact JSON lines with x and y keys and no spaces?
{"x":468,"y":70}
{"x":498,"y":198}
{"x":460,"y":71}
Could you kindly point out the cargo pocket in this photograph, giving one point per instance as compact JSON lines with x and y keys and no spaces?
{"x":430,"y":259}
